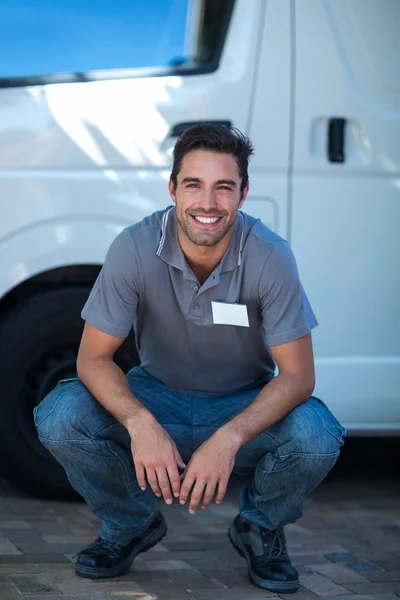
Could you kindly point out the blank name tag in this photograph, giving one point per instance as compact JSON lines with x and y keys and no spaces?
{"x":230,"y":314}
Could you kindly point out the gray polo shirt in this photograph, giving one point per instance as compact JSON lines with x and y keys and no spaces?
{"x":146,"y":283}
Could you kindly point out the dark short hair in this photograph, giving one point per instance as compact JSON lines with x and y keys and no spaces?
{"x":215,"y":138}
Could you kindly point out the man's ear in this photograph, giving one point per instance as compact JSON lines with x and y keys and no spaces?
{"x":244,"y":194}
{"x":171,"y":189}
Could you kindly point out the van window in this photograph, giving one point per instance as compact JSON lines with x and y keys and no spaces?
{"x":43,"y":37}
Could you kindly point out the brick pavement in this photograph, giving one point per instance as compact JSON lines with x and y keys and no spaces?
{"x":346,"y":547}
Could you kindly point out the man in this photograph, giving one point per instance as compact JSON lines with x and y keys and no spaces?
{"x":215,"y":301}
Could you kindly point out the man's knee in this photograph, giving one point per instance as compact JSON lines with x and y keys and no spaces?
{"x":311,"y":429}
{"x":68,"y":413}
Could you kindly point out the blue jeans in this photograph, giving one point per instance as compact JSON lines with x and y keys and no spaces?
{"x":287,"y":461}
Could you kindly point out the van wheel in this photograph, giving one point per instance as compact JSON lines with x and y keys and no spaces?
{"x":39,"y":341}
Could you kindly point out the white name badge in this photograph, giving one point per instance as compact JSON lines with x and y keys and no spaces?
{"x":230,"y":314}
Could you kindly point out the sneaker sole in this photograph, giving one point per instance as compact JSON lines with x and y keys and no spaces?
{"x":283,"y":587}
{"x":93,"y":573}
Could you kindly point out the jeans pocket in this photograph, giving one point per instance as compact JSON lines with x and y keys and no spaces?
{"x":69,"y":380}
{"x":49,"y":402}
{"x":328,"y":421}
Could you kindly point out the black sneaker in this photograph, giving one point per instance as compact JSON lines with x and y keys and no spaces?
{"x":109,"y":559}
{"x":267,"y":559}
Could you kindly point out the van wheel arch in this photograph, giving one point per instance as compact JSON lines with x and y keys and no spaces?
{"x":39,"y":339}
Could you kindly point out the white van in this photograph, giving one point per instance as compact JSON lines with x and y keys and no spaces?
{"x":315,"y":84}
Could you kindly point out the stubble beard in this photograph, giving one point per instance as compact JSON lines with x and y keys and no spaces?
{"x":203,"y":238}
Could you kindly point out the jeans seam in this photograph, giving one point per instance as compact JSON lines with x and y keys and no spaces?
{"x":310,"y":454}
{"x":118,"y":458}
{"x":133,"y":530}
{"x":59,"y":442}
{"x":56,"y":402}
{"x":321,"y":420}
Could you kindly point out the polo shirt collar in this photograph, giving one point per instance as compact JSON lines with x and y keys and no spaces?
{"x":170,"y":251}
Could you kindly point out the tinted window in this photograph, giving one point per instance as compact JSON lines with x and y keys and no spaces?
{"x":40,"y":37}
{"x":48,"y":37}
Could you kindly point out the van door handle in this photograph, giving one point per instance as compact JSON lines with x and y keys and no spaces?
{"x":336,"y":132}
{"x":178,"y":129}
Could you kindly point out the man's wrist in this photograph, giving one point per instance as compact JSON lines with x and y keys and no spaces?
{"x":136,"y":419}
{"x":234,"y":433}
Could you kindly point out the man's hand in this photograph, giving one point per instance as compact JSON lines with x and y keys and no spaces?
{"x":156,"y":456}
{"x":210,"y":466}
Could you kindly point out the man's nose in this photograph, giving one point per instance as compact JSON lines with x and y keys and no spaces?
{"x":209,"y":200}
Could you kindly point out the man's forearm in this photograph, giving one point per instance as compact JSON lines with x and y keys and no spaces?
{"x":108,"y":384}
{"x":281,"y":395}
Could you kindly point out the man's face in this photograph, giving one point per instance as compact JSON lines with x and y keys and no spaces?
{"x":207,"y":196}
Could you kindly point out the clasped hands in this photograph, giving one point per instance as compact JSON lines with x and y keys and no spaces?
{"x":156,"y":458}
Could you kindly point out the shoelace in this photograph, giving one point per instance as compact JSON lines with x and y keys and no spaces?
{"x":274,"y":545}
{"x":111,"y":548}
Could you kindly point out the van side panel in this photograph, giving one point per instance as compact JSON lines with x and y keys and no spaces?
{"x":346,"y":215}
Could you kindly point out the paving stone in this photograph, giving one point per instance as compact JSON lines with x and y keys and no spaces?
{"x":25,"y":536}
{"x":322,"y":586}
{"x":381,"y":575}
{"x":165,"y":565}
{"x":363,"y":567}
{"x":191,"y":579}
{"x":147,"y":596}
{"x":357,"y":597}
{"x":302,"y":594}
{"x":309,"y":559}
{"x":50,"y":527}
{"x":139,"y":576}
{"x":338,"y":573}
{"x":9,"y":592}
{"x":62,"y":539}
{"x":33,"y":584}
{"x":235,"y":583}
{"x":230,"y":594}
{"x":33,"y":558}
{"x":11,"y":568}
{"x":374,"y":588}
{"x":227,"y":572}
{"x":317,"y":548}
{"x":61,"y":575}
{"x":90,"y":596}
{"x":13,"y":524}
{"x":7,"y":548}
{"x":161,"y":587}
{"x":134,"y":596}
{"x":105,"y":586}
{"x":342,"y":557}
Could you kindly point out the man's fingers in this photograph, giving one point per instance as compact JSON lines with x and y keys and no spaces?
{"x":153,"y":482}
{"x":186,"y":487}
{"x":175,"y":480}
{"x":164,"y":484}
{"x":140,"y":476}
{"x":222,"y":485}
{"x":179,"y":460}
{"x":196,"y":495}
{"x":208,"y":494}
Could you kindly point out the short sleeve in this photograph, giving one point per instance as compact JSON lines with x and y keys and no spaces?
{"x":286,"y":311}
{"x":112,"y":303}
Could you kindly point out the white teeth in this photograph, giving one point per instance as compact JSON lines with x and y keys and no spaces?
{"x":207,"y":219}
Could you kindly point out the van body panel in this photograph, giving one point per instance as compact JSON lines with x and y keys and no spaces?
{"x":345,"y":216}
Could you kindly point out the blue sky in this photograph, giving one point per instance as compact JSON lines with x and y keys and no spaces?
{"x":39,"y":37}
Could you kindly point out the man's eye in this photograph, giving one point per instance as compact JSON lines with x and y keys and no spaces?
{"x":225,"y":187}
{"x":191,"y":185}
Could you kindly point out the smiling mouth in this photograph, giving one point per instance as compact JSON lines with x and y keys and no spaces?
{"x":206,"y":221}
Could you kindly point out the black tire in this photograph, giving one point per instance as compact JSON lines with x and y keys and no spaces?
{"x":39,"y":341}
